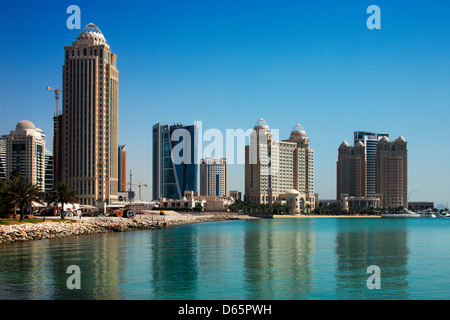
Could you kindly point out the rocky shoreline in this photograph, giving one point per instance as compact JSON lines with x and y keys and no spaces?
{"x":87,"y":226}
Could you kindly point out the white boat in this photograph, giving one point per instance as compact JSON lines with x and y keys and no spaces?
{"x":428,"y":213}
{"x":404,"y":214}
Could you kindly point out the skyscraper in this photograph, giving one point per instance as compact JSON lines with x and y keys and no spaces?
{"x":351,"y":171}
{"x":2,"y":158}
{"x":89,"y":123}
{"x":171,"y":179}
{"x":392,"y":172}
{"x":213,"y":177}
{"x":48,"y":171}
{"x":57,"y":149}
{"x":25,"y":153}
{"x":122,"y":168}
{"x":370,"y":141}
{"x":275,"y":168}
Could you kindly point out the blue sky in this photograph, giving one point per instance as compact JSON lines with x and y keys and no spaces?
{"x":228,"y":63}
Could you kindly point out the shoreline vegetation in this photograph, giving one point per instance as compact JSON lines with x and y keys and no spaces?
{"x":31,"y":230}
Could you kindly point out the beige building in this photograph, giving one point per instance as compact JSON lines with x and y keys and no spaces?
{"x":213,"y":177}
{"x":272,"y":168}
{"x":25,"y":152}
{"x":296,"y":202}
{"x":392,"y":172}
{"x":87,"y":157}
{"x":351,"y":170}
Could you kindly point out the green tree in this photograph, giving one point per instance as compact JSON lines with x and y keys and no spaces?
{"x":19,"y":193}
{"x":15,"y":174}
{"x":62,"y":194}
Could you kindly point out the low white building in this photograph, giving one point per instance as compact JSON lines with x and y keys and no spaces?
{"x":193,"y":200}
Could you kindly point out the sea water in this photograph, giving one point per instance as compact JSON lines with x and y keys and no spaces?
{"x":273,"y":259}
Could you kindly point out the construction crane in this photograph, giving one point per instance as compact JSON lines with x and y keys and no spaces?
{"x":57,"y":91}
{"x":140,"y":185}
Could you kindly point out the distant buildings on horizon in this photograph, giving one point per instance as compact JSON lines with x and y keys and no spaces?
{"x":288,"y":178}
{"x":373,"y":172}
{"x":86,"y":153}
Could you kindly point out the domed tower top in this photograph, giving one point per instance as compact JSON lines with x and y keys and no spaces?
{"x":261,"y":124}
{"x":344,"y":145}
{"x":25,"y":125}
{"x":298,"y":132}
{"x":27,"y":128}
{"x":92,"y":35}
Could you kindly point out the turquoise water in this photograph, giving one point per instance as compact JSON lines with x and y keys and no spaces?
{"x":239,"y":260}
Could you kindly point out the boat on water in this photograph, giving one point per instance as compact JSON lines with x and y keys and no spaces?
{"x":428,"y":213}
{"x":404,"y":214}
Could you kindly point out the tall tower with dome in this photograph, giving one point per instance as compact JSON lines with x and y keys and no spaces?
{"x":88,"y":126}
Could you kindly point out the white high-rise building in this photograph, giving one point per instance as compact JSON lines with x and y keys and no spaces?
{"x":25,"y":153}
{"x":2,"y":158}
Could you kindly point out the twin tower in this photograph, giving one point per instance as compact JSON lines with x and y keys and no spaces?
{"x":283,"y":171}
{"x":373,"y":172}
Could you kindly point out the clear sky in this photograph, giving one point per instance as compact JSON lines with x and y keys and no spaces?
{"x":228,"y":63}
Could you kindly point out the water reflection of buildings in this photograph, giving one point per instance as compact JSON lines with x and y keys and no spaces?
{"x":174,"y":265}
{"x":30,"y":272}
{"x":277,"y":265}
{"x":41,"y":269}
{"x":99,"y":263}
{"x":371,"y":242}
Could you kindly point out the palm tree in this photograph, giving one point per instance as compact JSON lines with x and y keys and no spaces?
{"x":63,"y":193}
{"x":19,"y":193}
{"x":15,"y":174}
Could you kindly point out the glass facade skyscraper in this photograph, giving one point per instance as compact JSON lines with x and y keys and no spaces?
{"x":170,"y":178}
{"x":370,"y":141}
